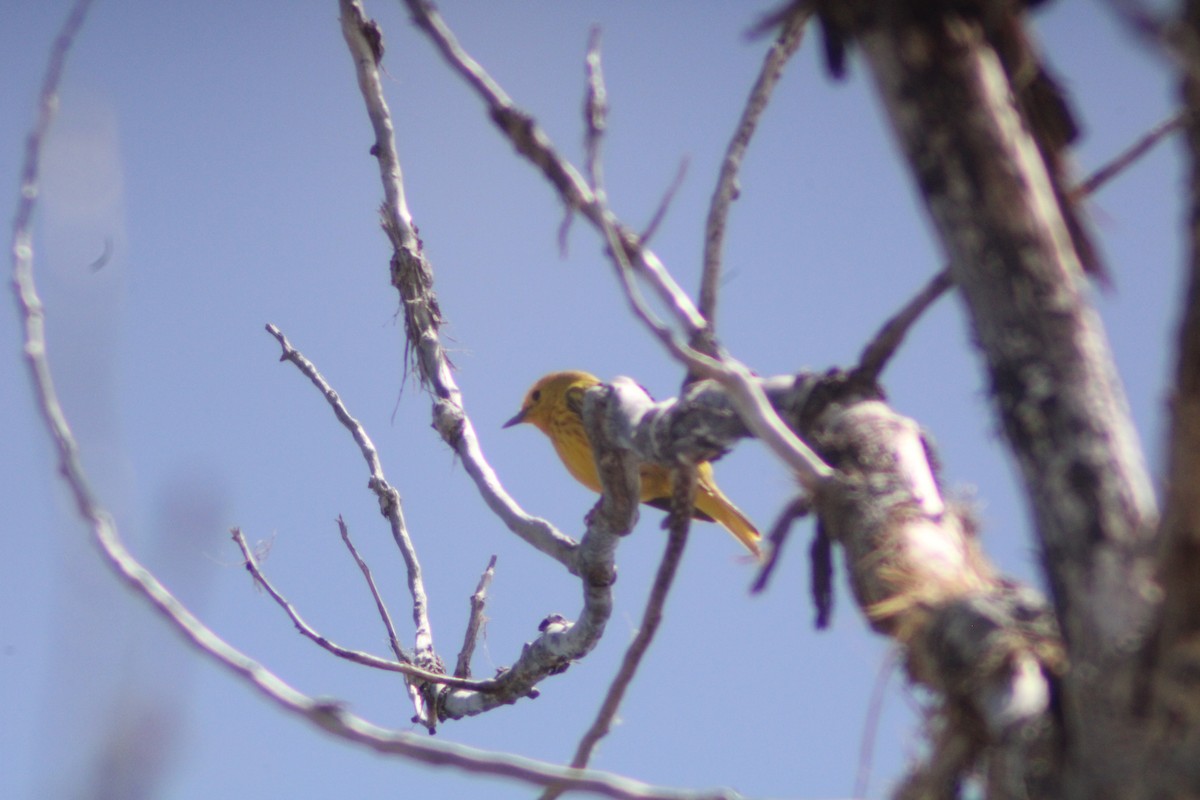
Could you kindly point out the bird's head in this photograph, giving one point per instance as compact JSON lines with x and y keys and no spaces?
{"x":558,"y":390}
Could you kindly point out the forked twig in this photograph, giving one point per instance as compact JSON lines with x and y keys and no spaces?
{"x":389,"y":499}
{"x":403,"y":666}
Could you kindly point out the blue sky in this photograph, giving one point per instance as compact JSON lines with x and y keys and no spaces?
{"x":221,"y":149}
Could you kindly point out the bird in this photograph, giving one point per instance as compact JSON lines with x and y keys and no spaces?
{"x":554,"y":405}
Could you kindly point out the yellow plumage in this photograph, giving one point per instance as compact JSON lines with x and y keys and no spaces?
{"x":554,"y":406}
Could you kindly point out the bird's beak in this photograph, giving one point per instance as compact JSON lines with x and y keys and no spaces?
{"x":517,"y":420}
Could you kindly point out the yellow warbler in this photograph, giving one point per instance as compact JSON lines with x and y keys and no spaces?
{"x":554,"y":405}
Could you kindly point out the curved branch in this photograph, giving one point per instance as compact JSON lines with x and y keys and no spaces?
{"x":413,"y":278}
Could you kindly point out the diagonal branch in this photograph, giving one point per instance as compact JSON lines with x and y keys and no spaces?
{"x":380,"y":606}
{"x":785,"y":46}
{"x":389,"y":500}
{"x":403,"y":666}
{"x":413,"y":278}
{"x":1094,"y":182}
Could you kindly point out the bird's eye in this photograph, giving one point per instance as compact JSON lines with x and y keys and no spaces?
{"x":535,"y":395}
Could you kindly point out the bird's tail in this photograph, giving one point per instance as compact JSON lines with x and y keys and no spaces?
{"x":712,"y":502}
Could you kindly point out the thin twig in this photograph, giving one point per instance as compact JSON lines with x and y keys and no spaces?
{"x":386,"y":617}
{"x":475,"y":621}
{"x":423,"y":702}
{"x":797,"y":509}
{"x":866,"y":750}
{"x":389,"y":500}
{"x":1125,"y":158}
{"x":683,"y":495}
{"x":880,"y":349}
{"x":403,"y":666}
{"x":424,"y":654}
{"x":660,"y":213}
{"x":727,"y":190}
{"x":883,"y":346}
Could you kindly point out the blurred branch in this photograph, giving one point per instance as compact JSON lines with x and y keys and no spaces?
{"x":880,"y":350}
{"x":999,"y":215}
{"x":683,"y":484}
{"x":462,"y":667}
{"x":1127,"y":157}
{"x":413,"y":278}
{"x":664,"y":205}
{"x":785,"y":46}
{"x":866,"y":749}
{"x":595,"y":104}
{"x":1175,"y":658}
{"x":799,"y":508}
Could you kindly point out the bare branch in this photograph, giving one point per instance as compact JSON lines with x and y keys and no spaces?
{"x":404,"y":666}
{"x":1054,"y":386}
{"x":413,"y":278}
{"x":1127,"y":157}
{"x":795,"y":510}
{"x":660,"y":213}
{"x":380,"y":606}
{"x":29,"y":305}
{"x":475,"y":621}
{"x":879,"y":350}
{"x":563,"y":641}
{"x":683,"y":483}
{"x":785,"y":46}
{"x":533,"y":143}
{"x":389,"y":503}
{"x":595,"y":105}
